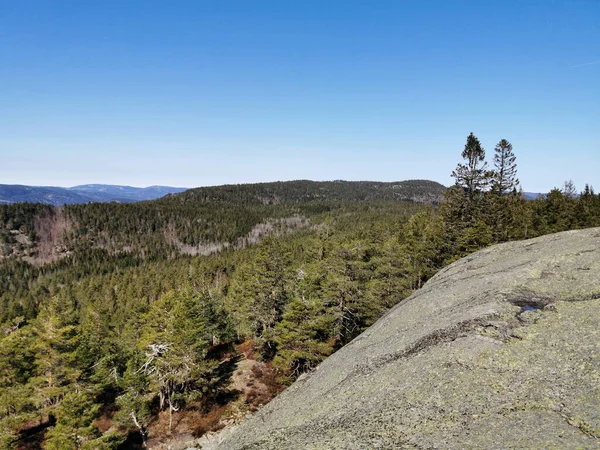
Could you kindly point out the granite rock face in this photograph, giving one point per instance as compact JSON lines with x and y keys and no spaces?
{"x":499,"y":350}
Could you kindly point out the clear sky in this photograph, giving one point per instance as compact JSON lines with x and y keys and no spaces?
{"x":191,"y":93}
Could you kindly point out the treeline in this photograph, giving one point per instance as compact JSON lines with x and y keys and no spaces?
{"x":486,"y":206}
{"x":122,"y":337}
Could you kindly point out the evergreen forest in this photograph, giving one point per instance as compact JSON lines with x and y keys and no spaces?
{"x":125,"y":324}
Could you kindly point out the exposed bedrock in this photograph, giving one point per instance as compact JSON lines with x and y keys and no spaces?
{"x":499,"y":350}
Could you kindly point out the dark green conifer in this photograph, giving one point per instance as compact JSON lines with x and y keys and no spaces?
{"x":505,"y":175}
{"x":473,"y":176}
{"x":304,"y":336}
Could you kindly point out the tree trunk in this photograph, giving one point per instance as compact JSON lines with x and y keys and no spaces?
{"x":141,"y":428}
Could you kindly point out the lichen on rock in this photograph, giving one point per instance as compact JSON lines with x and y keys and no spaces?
{"x":499,"y":350}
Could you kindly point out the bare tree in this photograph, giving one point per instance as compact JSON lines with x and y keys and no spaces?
{"x":569,"y":190}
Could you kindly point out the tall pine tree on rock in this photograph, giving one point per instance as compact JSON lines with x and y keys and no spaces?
{"x":464,"y":203}
{"x":506,"y":168}
{"x":474,"y":176}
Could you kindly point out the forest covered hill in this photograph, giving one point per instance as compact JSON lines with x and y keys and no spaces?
{"x":130,"y":324}
{"x":88,"y":277}
{"x":198,"y":221}
{"x":301,"y":191}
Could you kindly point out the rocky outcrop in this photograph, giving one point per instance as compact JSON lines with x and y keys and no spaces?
{"x":499,"y":350}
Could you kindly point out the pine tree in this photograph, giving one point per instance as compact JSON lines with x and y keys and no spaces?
{"x":390,"y":279}
{"x":478,"y":236}
{"x":342,"y":291}
{"x":505,"y":176}
{"x":75,"y":423}
{"x":569,"y":190}
{"x":257,"y":296}
{"x":514,"y":217}
{"x":557,"y":211}
{"x":135,"y":403}
{"x":474,"y":176}
{"x":423,"y":247}
{"x":303,"y":337}
{"x":16,"y":367}
{"x":175,"y":339}
{"x":587,"y":209}
{"x":55,"y":350}
{"x":465,"y":206}
{"x":76,"y":429}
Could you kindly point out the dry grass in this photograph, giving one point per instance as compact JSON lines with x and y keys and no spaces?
{"x":210,"y":421}
{"x":104,"y":422}
{"x":263,"y":386}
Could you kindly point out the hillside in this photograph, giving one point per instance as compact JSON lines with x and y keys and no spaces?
{"x":58,"y":196}
{"x":301,"y":191}
{"x":500,"y":349}
{"x":84,"y":322}
{"x":198,"y":221}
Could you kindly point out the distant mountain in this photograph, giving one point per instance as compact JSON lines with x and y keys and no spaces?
{"x":81,"y":194}
{"x":532,"y":195}
{"x":127,"y":193}
{"x":42,"y":194}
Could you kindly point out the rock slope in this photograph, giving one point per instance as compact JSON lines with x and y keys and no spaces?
{"x":499,"y":350}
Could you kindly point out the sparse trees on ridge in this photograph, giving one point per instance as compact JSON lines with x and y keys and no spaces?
{"x":474,"y":215}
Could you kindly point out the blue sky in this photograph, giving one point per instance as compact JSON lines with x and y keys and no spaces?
{"x":192,"y":93}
